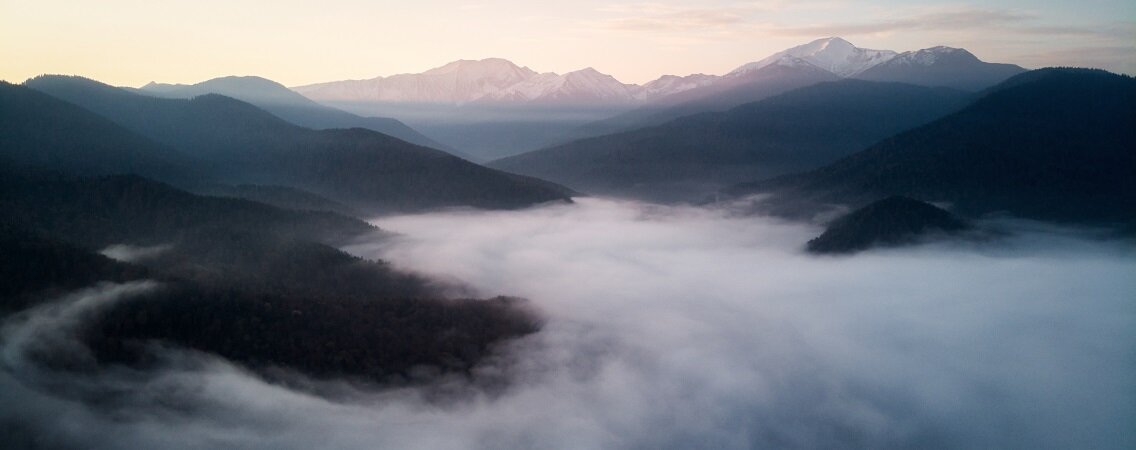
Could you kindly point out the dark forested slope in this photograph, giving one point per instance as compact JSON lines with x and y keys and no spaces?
{"x":37,"y":130}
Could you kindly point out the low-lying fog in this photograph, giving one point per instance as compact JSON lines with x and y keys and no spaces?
{"x":676,"y":328}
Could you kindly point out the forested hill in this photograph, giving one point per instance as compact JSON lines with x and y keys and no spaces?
{"x":261,"y":286}
{"x":891,"y":222}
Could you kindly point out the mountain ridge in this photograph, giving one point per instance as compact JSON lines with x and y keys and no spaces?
{"x":941,"y":66}
{"x":291,"y":106}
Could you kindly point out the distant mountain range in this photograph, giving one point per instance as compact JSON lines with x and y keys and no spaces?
{"x":491,"y":81}
{"x":496,"y":80}
{"x":212,"y":138}
{"x":1051,"y":144}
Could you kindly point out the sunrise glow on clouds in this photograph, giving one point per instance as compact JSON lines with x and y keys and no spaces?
{"x":131,"y":42}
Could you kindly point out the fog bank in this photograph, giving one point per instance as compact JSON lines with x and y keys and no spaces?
{"x":686,"y":328}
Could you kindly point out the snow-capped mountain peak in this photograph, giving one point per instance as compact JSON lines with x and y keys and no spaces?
{"x":929,"y":56}
{"x":833,"y":54}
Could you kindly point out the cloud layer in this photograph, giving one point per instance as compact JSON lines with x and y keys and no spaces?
{"x":688,"y":328}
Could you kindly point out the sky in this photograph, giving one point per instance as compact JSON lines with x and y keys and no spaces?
{"x":132,"y":42}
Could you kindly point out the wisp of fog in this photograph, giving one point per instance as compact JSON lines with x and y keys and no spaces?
{"x":681,"y":327}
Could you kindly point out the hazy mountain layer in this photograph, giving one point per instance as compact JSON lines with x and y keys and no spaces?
{"x":245,"y":144}
{"x":693,"y":156}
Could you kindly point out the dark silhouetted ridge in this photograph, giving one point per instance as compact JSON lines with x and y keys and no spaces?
{"x":1052,"y":144}
{"x":291,"y":106}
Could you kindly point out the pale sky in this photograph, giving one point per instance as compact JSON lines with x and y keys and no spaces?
{"x":131,"y":42}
